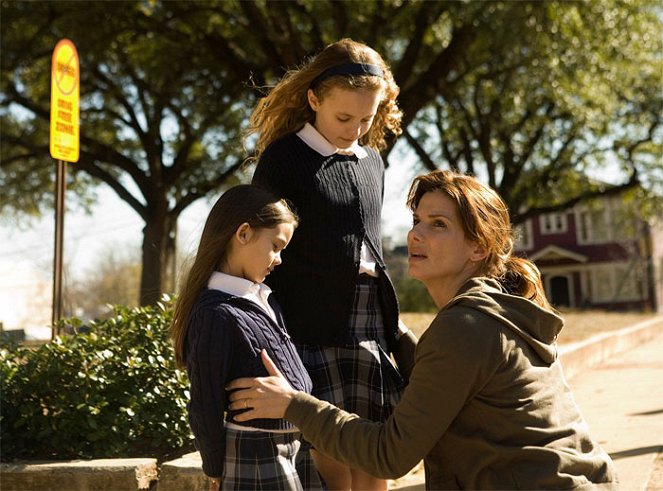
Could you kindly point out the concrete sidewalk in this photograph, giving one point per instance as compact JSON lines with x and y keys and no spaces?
{"x":621,"y":399}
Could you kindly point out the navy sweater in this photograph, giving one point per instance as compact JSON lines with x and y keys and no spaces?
{"x":225,"y":335}
{"x":339,"y":202}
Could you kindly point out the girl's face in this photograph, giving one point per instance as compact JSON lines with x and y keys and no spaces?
{"x":343,"y":116}
{"x":256,"y":252}
{"x":438,"y":251}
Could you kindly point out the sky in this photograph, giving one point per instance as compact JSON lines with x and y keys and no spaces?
{"x":26,"y":254}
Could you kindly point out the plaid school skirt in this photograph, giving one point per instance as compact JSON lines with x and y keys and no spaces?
{"x":359,"y":377}
{"x":260,"y":460}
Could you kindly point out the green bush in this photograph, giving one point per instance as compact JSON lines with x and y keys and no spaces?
{"x":413,"y":296}
{"x":109,"y":390}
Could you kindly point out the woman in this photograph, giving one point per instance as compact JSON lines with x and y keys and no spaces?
{"x":487,"y":406}
{"x":319,"y":132}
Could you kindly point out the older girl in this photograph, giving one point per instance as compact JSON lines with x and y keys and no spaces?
{"x":487,"y":406}
{"x":319,"y":132}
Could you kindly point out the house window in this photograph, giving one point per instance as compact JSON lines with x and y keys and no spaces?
{"x":523,"y":236}
{"x":617,"y":283}
{"x":592,"y":226}
{"x":627,"y":284}
{"x":603,"y":288}
{"x":553,"y":223}
{"x":625,"y":224}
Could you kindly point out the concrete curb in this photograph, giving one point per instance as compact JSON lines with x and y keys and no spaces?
{"x":183,"y":473}
{"x":576,"y":357}
{"x":79,"y":475}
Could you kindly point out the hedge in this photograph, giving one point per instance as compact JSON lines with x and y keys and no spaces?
{"x":111,"y":389}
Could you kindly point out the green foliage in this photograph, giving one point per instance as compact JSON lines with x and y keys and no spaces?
{"x":569,"y":94}
{"x":109,"y":390}
{"x":413,"y":296}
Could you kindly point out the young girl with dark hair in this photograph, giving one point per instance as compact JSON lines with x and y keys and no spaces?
{"x":319,"y":132}
{"x":487,"y":406}
{"x":224,"y":317}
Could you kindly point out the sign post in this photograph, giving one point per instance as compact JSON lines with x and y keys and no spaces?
{"x":64,"y":147}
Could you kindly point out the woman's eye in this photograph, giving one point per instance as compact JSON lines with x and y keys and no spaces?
{"x":415,"y":221}
{"x":439,"y":223}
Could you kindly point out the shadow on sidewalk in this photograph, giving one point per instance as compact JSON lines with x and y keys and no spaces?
{"x":648,"y":413}
{"x":636,"y":451}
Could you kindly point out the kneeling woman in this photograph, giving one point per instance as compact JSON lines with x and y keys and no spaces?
{"x":487,"y":406}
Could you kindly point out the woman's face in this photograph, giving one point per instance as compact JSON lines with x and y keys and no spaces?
{"x":343,"y":116}
{"x":438,"y":250}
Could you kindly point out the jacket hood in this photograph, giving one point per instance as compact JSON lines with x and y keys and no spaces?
{"x":537,"y":326}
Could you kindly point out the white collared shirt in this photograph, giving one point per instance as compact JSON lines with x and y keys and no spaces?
{"x":256,"y":292}
{"x":313,"y":138}
{"x":320,"y":144}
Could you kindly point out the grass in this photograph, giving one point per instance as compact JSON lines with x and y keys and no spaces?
{"x":578,"y":324}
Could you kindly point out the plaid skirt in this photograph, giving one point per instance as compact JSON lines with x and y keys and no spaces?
{"x":359,"y":377}
{"x":260,"y":460}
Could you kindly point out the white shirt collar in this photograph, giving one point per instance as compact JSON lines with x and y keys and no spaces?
{"x":240,"y":287}
{"x":320,"y":144}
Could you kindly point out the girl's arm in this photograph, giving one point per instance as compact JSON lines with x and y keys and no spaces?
{"x":450,"y":368}
{"x":208,"y":360}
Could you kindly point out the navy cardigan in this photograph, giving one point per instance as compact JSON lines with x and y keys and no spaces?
{"x":339,"y":202}
{"x":225,"y":335}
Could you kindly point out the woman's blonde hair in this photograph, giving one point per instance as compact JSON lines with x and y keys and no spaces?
{"x":286,"y":108}
{"x":485,"y":220}
{"x":245,"y":203}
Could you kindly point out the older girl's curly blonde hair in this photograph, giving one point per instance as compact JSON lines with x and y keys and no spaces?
{"x":286,"y":108}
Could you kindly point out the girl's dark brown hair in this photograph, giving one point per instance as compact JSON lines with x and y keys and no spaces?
{"x":485,"y":220}
{"x":245,"y":203}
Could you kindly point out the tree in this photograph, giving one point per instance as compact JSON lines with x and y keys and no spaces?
{"x":532,"y":92}
{"x":113,"y":280}
{"x":157,"y":126}
{"x":570,"y":89}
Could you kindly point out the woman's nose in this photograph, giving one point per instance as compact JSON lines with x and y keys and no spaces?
{"x":413,"y":235}
{"x":277,"y":259}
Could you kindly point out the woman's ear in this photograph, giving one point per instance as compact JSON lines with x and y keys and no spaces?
{"x":244,"y":233}
{"x":478,"y":252}
{"x":312,"y":100}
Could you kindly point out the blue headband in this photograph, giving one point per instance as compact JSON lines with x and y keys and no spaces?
{"x":348,"y":69}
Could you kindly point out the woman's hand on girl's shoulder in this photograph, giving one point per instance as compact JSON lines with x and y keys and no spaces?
{"x":261,"y":397}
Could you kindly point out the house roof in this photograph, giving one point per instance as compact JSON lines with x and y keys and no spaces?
{"x":553,"y":252}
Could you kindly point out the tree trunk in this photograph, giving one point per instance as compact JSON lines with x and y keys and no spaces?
{"x":155,"y":241}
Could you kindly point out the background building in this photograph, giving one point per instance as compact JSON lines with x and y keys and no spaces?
{"x":599,"y":255}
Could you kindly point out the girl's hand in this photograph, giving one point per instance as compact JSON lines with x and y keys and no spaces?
{"x":264,"y":397}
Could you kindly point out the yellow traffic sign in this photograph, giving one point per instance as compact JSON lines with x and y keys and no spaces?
{"x":65,"y":96}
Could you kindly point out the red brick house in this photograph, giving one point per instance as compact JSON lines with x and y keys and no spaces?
{"x":601,"y":256}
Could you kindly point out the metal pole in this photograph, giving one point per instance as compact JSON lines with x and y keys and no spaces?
{"x":60,"y":188}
